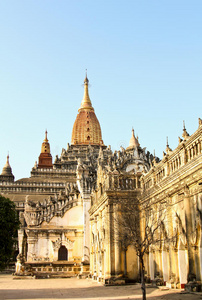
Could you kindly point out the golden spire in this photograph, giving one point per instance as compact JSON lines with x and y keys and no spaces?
{"x":86,"y":129}
{"x":46,"y":139}
{"x":86,"y":102}
{"x":45,"y":148}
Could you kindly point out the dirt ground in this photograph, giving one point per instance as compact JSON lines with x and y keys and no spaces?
{"x":76,"y":289}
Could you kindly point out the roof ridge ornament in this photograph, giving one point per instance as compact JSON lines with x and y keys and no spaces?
{"x":185,"y":134}
{"x":168,"y":149}
{"x":46,"y":138}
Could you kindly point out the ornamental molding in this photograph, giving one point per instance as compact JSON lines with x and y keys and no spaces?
{"x":63,"y":241}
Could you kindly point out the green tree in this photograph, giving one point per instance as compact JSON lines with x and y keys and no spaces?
{"x":9,"y":224}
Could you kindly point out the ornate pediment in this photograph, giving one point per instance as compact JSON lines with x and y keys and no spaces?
{"x":63,"y":240}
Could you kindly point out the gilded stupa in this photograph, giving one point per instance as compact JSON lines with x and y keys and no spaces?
{"x":86,"y":129}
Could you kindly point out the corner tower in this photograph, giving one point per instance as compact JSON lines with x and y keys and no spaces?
{"x":7,"y":174}
{"x":45,"y":158}
{"x":86,"y":129}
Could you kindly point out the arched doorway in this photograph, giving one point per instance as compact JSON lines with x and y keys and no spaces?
{"x":63,"y":253}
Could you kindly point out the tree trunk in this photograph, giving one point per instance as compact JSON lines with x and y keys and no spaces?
{"x":143,"y":287}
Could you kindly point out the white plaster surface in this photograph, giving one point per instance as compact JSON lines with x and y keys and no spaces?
{"x":151,"y":265}
{"x":165,"y":265}
{"x":73,"y":217}
{"x":182,"y":266}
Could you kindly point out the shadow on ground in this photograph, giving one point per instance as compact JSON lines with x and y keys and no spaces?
{"x":81,"y":289}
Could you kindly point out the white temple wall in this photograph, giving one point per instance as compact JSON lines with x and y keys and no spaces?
{"x":77,"y":250}
{"x":73,"y":217}
{"x":43,"y":249}
{"x":183,"y":267}
{"x":151,"y":265}
{"x":165,"y":265}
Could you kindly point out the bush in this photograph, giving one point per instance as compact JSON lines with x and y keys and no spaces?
{"x":9,"y":224}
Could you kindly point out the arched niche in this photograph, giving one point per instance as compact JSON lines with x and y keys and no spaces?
{"x":62,"y":253}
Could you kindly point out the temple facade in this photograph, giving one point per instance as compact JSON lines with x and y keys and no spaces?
{"x":170,"y":189}
{"x":68,"y":206}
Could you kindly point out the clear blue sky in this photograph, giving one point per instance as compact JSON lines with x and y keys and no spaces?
{"x":144,"y":61}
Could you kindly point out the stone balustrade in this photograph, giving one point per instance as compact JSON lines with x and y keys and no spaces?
{"x":187,"y":150}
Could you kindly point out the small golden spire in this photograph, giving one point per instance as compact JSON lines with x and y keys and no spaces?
{"x":86,"y":102}
{"x":45,"y":148}
{"x":46,"y":133}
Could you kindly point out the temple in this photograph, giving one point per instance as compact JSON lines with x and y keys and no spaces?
{"x":67,"y":207}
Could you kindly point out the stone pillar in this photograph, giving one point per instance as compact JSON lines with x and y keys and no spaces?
{"x":94,"y":247}
{"x":182,"y":259}
{"x":151,"y":264}
{"x":99,"y":234}
{"x":86,"y":222}
{"x":165,"y":265}
{"x":91,"y":246}
{"x":200,"y":255}
{"x":160,"y":263}
{"x":20,"y":240}
{"x":167,"y":169}
{"x":31,"y":240}
{"x":199,"y":147}
{"x":189,"y":226}
{"x":172,"y":266}
{"x":117,"y":250}
{"x":109,"y":243}
{"x":197,"y":260}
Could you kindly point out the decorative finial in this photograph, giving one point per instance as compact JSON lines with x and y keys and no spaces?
{"x":154,"y":159}
{"x":185,"y":134}
{"x":168,"y":149}
{"x":86,"y":103}
{"x":86,"y":81}
{"x":8,"y":158}
{"x":46,"y":138}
